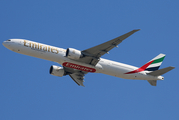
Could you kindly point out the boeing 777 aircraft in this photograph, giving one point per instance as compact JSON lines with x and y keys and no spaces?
{"x":77,"y":63}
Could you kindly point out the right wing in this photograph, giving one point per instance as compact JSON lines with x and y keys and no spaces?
{"x":93,"y":54}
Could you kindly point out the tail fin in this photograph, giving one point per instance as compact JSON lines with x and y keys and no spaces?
{"x":155,"y":63}
{"x":152,"y":65}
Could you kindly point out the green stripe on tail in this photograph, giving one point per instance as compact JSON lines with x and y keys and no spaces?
{"x":157,"y":61}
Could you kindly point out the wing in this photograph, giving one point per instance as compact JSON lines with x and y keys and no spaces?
{"x":76,"y":75}
{"x":93,"y":54}
{"x":78,"y":78}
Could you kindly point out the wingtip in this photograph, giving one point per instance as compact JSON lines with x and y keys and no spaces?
{"x":136,"y":30}
{"x":172,"y":67}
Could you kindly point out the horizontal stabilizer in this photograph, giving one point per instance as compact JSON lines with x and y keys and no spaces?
{"x":153,"y":82}
{"x":161,"y":71}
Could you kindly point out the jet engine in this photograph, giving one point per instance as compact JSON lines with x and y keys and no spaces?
{"x":73,"y":53}
{"x":57,"y":71}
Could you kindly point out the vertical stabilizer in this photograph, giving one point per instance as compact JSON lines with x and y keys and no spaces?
{"x":155,"y":63}
{"x":152,"y":65}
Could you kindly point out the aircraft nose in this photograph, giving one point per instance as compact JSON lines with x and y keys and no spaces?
{"x":6,"y":43}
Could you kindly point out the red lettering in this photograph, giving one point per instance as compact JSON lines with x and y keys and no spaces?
{"x":78,"y":67}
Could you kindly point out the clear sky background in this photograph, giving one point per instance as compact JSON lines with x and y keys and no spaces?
{"x":29,"y":92}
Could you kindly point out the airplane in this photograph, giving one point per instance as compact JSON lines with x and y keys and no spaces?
{"x":77,"y":64}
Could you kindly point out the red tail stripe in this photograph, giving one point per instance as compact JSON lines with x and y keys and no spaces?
{"x":141,"y":68}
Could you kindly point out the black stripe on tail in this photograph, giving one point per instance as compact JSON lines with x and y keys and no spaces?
{"x":153,"y":68}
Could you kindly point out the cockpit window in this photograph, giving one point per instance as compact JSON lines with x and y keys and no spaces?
{"x":8,"y":40}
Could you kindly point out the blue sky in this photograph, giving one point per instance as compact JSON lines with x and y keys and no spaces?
{"x":28,"y":91}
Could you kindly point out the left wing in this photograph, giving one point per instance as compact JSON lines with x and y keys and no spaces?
{"x":76,"y":75}
{"x":93,"y":54}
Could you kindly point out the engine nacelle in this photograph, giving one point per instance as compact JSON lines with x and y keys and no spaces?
{"x":57,"y":71}
{"x":73,"y":54}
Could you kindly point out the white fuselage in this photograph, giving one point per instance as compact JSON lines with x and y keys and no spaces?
{"x":56,"y":54}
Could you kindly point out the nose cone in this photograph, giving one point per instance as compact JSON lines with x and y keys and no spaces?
{"x":6,"y":43}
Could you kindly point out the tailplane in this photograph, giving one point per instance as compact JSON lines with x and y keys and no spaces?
{"x":158,"y":73}
{"x":153,"y":67}
{"x":153,"y":82}
{"x":161,"y":71}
